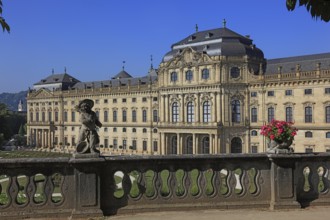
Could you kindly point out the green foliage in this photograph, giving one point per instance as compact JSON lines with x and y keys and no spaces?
{"x":317,"y":8}
{"x":4,"y":25}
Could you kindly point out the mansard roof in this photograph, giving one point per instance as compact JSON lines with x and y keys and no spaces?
{"x":215,"y":42}
{"x":57,"y":78}
{"x":306,"y":63}
{"x":122,"y":75}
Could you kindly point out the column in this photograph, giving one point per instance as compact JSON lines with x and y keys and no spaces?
{"x":162,"y":144}
{"x":178,"y":144}
{"x":211,"y":144}
{"x":194,"y":143}
{"x":216,"y":143}
{"x":218,"y":107}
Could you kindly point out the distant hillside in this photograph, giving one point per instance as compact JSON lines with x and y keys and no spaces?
{"x":12,"y":99}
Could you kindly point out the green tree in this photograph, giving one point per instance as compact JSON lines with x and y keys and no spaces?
{"x":317,"y":8}
{"x":21,"y":131}
{"x":4,"y":25}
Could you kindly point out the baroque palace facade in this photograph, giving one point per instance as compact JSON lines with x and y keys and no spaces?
{"x":210,"y":94}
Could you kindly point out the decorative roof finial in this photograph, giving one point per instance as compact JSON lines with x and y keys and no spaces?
{"x":196,"y":27}
{"x":151,"y":66}
{"x":124,"y":65}
{"x":65,"y":69}
{"x":224,"y":22}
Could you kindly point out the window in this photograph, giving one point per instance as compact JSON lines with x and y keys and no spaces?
{"x":155,"y":130}
{"x":235,"y":111}
{"x":308,"y":134}
{"x":190,"y":112}
{"x":133,"y":115}
{"x":270,"y":93}
{"x":115,"y":143}
{"x":114,"y":100}
{"x":144,"y":115}
{"x":144,"y":145}
{"x":65,"y":116}
{"x":288,"y":114}
{"x":97,"y":114}
{"x":144,"y":130}
{"x":72,"y":103}
{"x":124,"y":116}
{"x":73,"y":141}
{"x":254,"y":149}
{"x":254,"y":133}
{"x":155,"y":99}
{"x":105,"y":116}
{"x":236,"y":145}
{"x":288,"y":92}
{"x":235,"y":72}
{"x":189,"y":145}
{"x":174,"y":148}
{"x":134,"y":144}
{"x":308,"y":150}
{"x":73,"y":116}
{"x":106,"y":143}
{"x":327,"y":135}
{"x":189,"y":75}
{"x":56,"y":116}
{"x":308,"y":91}
{"x":49,"y":116}
{"x":133,"y":99}
{"x":327,"y":114}
{"x":155,"y":143}
{"x":114,"y":116}
{"x":97,"y":101}
{"x":254,"y":94}
{"x":271,"y":114}
{"x":134,"y":130}
{"x":254,"y":114}
{"x":174,"y":77}
{"x":144,"y":99}
{"x":105,"y":102}
{"x":43,"y":117}
{"x":105,"y":129}
{"x":123,"y":100}
{"x":205,"y":74}
{"x":308,"y":114}
{"x":124,"y":144}
{"x":72,"y":128}
{"x":124,"y":130}
{"x":175,"y":112}
{"x":206,"y":111}
{"x":155,"y":115}
{"x":31,"y":116}
{"x":206,"y":145}
{"x":114,"y":129}
{"x":327,"y":90}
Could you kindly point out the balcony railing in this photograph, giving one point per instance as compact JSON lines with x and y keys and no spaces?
{"x":90,"y":187}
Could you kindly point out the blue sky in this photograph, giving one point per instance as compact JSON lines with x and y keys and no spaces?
{"x":91,"y":38}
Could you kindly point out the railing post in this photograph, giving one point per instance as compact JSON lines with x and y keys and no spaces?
{"x":283,"y":183}
{"x":87,"y":187}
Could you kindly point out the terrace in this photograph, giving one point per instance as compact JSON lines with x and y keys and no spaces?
{"x":82,"y":187}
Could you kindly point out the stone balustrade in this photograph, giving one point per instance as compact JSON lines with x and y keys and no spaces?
{"x":89,"y":187}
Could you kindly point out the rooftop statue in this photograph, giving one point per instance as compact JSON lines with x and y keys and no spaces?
{"x":88,"y":130}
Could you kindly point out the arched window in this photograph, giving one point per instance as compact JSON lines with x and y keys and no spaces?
{"x":308,"y":114}
{"x":236,"y":145}
{"x":133,"y":115}
{"x":327,"y":135}
{"x":206,"y":111}
{"x":190,"y":112}
{"x":134,"y":130}
{"x":327,"y":114}
{"x":114,"y":116}
{"x":271,"y":114}
{"x":254,"y":133}
{"x":37,"y":116}
{"x":189,"y":75}
{"x":254,"y":114}
{"x":174,"y":146}
{"x":206,"y":145}
{"x":97,"y":114}
{"x":205,"y":73}
{"x":144,"y":130}
{"x":43,"y":116}
{"x":174,"y":77}
{"x":236,"y":111}
{"x":105,"y":116}
{"x":155,"y":115}
{"x":144,"y":115}
{"x":124,"y":115}
{"x":308,"y":134}
{"x":175,"y":112}
{"x":189,"y":145}
{"x":288,"y":114}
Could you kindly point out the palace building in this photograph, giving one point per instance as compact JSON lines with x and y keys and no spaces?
{"x":211,"y":94}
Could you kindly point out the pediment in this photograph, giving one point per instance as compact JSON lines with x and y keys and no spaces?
{"x":187,"y":57}
{"x":42,"y":93}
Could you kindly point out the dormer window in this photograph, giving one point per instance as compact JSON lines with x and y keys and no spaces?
{"x":55,"y":79}
{"x":191,"y":38}
{"x":208,"y":35}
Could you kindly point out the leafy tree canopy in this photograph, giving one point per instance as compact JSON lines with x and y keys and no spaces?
{"x":317,"y":8}
{"x":4,"y":25}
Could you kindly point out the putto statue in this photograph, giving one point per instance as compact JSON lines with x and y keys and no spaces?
{"x":89,"y":123}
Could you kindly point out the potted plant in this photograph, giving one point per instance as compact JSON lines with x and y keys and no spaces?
{"x":280,"y":134}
